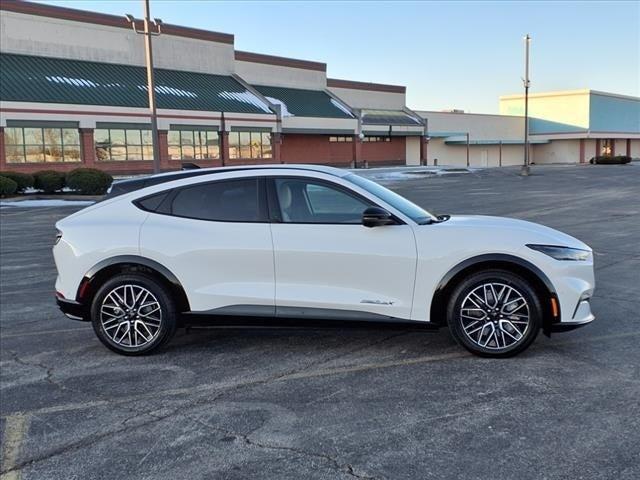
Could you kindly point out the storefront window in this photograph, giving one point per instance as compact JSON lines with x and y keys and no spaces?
{"x":250,"y":145}
{"x":606,"y":147}
{"x":340,"y":139}
{"x":193,"y":144}
{"x":42,"y":145}
{"x":115,"y":144}
{"x":376,"y":139}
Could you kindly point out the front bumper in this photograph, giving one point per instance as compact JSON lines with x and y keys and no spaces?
{"x":72,"y":309}
{"x":582,"y":316}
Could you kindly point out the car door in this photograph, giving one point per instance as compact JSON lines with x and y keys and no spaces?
{"x":216,"y":239}
{"x":327,"y":263}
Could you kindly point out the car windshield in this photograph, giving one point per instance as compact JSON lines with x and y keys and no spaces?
{"x":410,"y":209}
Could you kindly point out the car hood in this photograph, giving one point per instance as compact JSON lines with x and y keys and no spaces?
{"x":529,"y":232}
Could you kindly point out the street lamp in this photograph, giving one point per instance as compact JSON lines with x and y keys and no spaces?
{"x":151,"y":84}
{"x":525,"y":166}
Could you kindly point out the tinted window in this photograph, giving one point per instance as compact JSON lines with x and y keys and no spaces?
{"x":306,"y":201}
{"x":228,"y":201}
{"x":152,"y":203}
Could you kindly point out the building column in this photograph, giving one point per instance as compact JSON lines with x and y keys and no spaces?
{"x":356,"y":156}
{"x":581,"y":158}
{"x":613,"y":147}
{"x":597,"y":148}
{"x":628,"y":147}
{"x":424,"y":151}
{"x":276,"y":144}
{"x":87,"y":147}
{"x":224,"y":147}
{"x":163,"y":149}
{"x":3,"y":157}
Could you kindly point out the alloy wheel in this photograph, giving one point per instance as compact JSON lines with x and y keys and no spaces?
{"x":130,"y":316}
{"x":495,"y":316}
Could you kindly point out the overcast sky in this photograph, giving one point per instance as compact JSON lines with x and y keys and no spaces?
{"x":448,"y":54}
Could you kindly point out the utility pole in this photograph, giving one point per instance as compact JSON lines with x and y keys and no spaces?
{"x":151,"y":84}
{"x":468,"y":149}
{"x":525,"y":166}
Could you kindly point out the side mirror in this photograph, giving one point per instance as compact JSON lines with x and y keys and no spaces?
{"x":376,"y":217}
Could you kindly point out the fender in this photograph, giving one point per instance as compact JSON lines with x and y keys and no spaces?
{"x":498,"y":258}
{"x":495,"y":257}
{"x":137,"y":260}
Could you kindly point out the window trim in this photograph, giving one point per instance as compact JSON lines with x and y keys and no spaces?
{"x":164,"y":207}
{"x":275,"y":212}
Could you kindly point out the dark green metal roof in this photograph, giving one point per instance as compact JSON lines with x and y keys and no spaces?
{"x":52,"y":80}
{"x":304,"y":103}
{"x":388,"y":117}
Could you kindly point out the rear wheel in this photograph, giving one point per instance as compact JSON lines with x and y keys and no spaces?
{"x":494,"y":313}
{"x":133,"y":314}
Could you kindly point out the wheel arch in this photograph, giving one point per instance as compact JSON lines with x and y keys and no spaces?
{"x":109,"y":267}
{"x":539,"y":280}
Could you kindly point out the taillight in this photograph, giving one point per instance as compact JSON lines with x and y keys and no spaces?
{"x":58,"y":237}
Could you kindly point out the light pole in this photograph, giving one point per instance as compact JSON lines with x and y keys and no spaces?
{"x":151,"y":84}
{"x":525,"y":166}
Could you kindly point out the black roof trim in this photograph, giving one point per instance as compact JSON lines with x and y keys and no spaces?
{"x":121,"y":187}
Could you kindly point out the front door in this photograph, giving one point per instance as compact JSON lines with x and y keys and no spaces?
{"x":327,"y":262}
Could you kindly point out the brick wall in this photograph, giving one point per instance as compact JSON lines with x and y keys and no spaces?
{"x":385,"y":153}
{"x":316,"y":149}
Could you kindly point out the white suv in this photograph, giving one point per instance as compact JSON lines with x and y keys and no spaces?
{"x":310,"y":243}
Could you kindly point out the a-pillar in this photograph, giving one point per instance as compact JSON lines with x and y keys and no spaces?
{"x":87,"y":147}
{"x":276,"y":146}
{"x":356,"y":159}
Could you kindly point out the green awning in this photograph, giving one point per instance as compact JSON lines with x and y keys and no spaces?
{"x":388,"y":117}
{"x":25,"y":78}
{"x":304,"y":103}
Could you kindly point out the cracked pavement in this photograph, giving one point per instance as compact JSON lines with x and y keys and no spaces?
{"x":342,"y":403}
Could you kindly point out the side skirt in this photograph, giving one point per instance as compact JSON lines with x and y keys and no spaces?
{"x":270,"y":316}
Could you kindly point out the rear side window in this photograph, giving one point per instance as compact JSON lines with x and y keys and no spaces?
{"x":151,"y":204}
{"x":224,"y":201}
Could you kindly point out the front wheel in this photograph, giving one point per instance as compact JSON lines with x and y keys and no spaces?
{"x":133,"y":314}
{"x":494,"y":313}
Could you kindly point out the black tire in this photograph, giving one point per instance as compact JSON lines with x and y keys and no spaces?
{"x":498,"y":316}
{"x":158,"y":337}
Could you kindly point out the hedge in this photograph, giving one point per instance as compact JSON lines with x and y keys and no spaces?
{"x":49,"y":181}
{"x":24,"y":180}
{"x":7,"y":186}
{"x":617,"y":160}
{"x":89,"y":181}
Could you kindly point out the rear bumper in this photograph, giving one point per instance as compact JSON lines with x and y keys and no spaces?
{"x":72,"y":309}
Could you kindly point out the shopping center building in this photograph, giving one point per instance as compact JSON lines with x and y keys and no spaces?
{"x":73,"y":92}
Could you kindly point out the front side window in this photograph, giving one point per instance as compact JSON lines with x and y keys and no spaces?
{"x":249,"y":145}
{"x":193,"y":144}
{"x":223,"y":201}
{"x":116,"y":144}
{"x":308,"y":201}
{"x":40,"y":145}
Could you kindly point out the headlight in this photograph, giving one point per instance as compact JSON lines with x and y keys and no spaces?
{"x":563,"y":253}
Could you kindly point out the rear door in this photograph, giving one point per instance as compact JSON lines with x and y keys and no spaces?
{"x":216,"y":239}
{"x":327,"y":263}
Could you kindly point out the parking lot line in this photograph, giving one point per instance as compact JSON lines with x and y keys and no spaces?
{"x":15,"y":430}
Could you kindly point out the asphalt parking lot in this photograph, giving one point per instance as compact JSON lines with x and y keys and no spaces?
{"x":308,"y":403}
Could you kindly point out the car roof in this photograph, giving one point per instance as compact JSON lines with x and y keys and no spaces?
{"x":121,"y":187}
